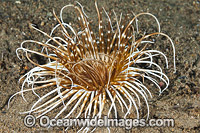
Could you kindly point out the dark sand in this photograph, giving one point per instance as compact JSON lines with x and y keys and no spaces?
{"x":180,"y":19}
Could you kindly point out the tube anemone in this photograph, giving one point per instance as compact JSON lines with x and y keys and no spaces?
{"x":87,"y":71}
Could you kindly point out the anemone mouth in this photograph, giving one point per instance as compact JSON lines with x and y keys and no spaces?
{"x":92,"y":74}
{"x":85,"y":71}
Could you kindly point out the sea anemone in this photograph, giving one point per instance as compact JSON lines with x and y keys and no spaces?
{"x":86,"y":72}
